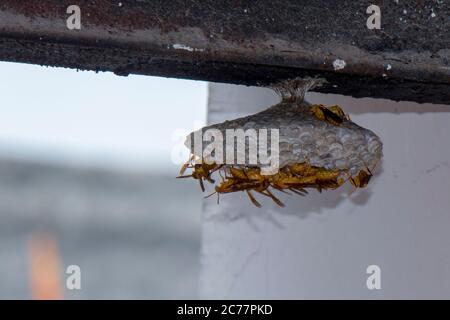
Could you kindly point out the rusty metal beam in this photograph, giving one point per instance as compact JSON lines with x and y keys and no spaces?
{"x":244,"y":42}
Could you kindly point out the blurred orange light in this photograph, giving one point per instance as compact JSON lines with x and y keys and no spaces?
{"x":44,"y":267}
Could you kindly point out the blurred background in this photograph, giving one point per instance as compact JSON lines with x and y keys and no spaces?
{"x":87,"y":177}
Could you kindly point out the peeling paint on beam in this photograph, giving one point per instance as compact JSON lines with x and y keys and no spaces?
{"x":244,"y":42}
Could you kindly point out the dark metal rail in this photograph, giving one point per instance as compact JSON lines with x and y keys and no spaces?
{"x":244,"y":42}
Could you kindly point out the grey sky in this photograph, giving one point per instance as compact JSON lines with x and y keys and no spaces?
{"x":95,"y":118}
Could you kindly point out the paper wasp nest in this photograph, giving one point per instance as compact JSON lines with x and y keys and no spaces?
{"x":319,"y":147}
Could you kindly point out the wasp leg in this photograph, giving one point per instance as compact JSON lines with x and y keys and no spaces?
{"x":201,"y":184}
{"x":299,"y":191}
{"x":189,"y":176}
{"x":281,"y":190}
{"x":369,"y":173}
{"x":209,"y":195}
{"x":328,"y":184}
{"x":208,"y":178}
{"x":213,"y":194}
{"x":269,"y":194}
{"x":353,"y":182}
{"x":184,"y":167}
{"x":275,"y":199}
{"x":252,"y":199}
{"x":245,"y":173}
{"x":216,"y":168}
{"x":221,"y":176}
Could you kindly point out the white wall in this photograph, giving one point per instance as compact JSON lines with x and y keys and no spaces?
{"x":320,"y":246}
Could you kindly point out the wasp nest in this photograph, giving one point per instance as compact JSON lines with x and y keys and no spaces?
{"x":316,"y":147}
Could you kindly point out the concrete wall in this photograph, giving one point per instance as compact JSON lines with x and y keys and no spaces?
{"x":320,"y":246}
